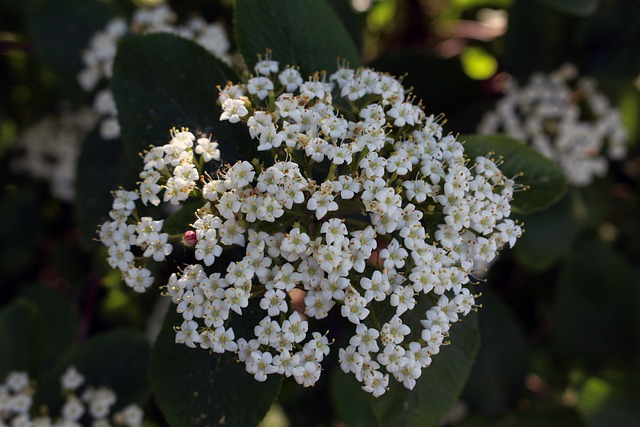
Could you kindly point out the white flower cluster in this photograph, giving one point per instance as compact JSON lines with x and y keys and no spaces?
{"x":49,"y":149}
{"x":565,"y":119}
{"x":94,"y":404}
{"x":99,"y":56}
{"x":360,"y":203}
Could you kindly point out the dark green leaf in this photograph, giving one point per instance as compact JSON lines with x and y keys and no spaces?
{"x":61,"y":30}
{"x":597,"y":307}
{"x":102,"y":168}
{"x":161,"y":81}
{"x":179,"y":221}
{"x":548,"y":417}
{"x":62,"y":321}
{"x":352,"y":404}
{"x":438,"y":388}
{"x":20,"y":338}
{"x":117,"y":360}
{"x":23,"y":228}
{"x":548,"y":236}
{"x":441,"y":84}
{"x":497,"y":378}
{"x":574,"y":7}
{"x":545,"y":181}
{"x":538,"y":39}
{"x":354,"y":22}
{"x":611,"y":37}
{"x":306,"y":33}
{"x":195,"y":388}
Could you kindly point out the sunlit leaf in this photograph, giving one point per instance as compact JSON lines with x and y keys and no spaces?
{"x":478,"y":64}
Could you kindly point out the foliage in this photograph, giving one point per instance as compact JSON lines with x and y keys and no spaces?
{"x":556,"y":339}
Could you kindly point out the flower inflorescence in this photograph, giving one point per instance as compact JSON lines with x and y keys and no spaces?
{"x":100,"y":54}
{"x":564,"y":118}
{"x":81,"y":403}
{"x":49,"y":149}
{"x":357,"y":201}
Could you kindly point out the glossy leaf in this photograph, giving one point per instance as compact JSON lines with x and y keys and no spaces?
{"x":306,"y":33}
{"x":196,"y":388}
{"x":162,"y":81}
{"x":438,"y":388}
{"x":545,"y":181}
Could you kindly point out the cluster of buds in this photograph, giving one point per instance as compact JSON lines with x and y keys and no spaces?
{"x":357,"y":204}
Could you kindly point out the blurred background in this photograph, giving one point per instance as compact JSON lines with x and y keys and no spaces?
{"x":560,"y":322}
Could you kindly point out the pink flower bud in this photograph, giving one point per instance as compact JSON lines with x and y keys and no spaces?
{"x":189,"y":238}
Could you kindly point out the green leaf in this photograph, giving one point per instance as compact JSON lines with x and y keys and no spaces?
{"x":23,"y":228}
{"x":20,"y":338}
{"x":306,"y":33}
{"x":597,"y":308}
{"x":440,"y":83}
{"x":548,"y":417}
{"x":545,"y":181}
{"x":196,"y":388}
{"x":354,"y":22}
{"x":574,"y":7}
{"x":438,"y":388}
{"x":539,"y":38}
{"x":161,"y":81}
{"x":61,"y":30}
{"x":497,"y":378}
{"x":117,"y":360}
{"x":102,"y":168}
{"x":352,"y":404}
{"x":62,"y":323}
{"x":548,"y":236}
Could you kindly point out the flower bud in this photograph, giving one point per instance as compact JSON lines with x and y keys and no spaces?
{"x":189,"y":238}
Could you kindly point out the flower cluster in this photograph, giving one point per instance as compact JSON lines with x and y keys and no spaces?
{"x":49,"y":149}
{"x":94,"y":404}
{"x":564,"y":118}
{"x":101,"y":52}
{"x":359,"y":203}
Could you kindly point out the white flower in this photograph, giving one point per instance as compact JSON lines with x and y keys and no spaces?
{"x":333,"y":213}
{"x":233,"y":110}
